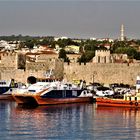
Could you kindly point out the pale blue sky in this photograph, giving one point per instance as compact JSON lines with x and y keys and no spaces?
{"x":71,"y":18}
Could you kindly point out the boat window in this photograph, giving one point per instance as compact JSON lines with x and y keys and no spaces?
{"x":125,"y":98}
{"x":84,"y":92}
{"x":129,"y":98}
{"x":103,"y":88}
{"x":32,"y":90}
{"x":138,"y":82}
{"x":135,"y":98}
{"x":3,"y":83}
{"x":74,"y":93}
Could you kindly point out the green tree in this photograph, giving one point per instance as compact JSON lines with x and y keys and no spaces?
{"x":82,"y":58}
{"x":21,"y":61}
{"x":53,"y":44}
{"x":131,"y":52}
{"x":21,"y":45}
{"x":86,"y":56}
{"x":29,"y":44}
{"x":118,"y":44}
{"x":137,"y":56}
{"x":62,"y":55}
{"x":89,"y":55}
{"x":65,"y":42}
{"x":44,"y":42}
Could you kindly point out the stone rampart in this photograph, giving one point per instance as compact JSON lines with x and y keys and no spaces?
{"x":9,"y":59}
{"x":21,"y":75}
{"x":34,"y":69}
{"x":103,"y":73}
{"x":91,"y":72}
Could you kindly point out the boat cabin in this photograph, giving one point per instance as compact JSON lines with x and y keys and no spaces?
{"x":135,"y":97}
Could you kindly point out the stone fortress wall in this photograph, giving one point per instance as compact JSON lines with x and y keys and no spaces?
{"x":9,"y":68}
{"x":91,"y":72}
{"x":103,"y":73}
{"x":20,"y":75}
{"x":8,"y":59}
{"x":104,"y":56}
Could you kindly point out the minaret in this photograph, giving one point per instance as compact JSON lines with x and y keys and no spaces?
{"x":122,"y":32}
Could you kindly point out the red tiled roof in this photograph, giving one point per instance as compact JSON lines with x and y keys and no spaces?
{"x":41,"y":52}
{"x":47,"y":48}
{"x":30,"y":53}
{"x":48,"y":52}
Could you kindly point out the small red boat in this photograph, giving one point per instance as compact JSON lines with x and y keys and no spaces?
{"x":127,"y":101}
{"x":131,"y":100}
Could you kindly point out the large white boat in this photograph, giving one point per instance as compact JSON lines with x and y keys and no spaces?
{"x":52,"y":92}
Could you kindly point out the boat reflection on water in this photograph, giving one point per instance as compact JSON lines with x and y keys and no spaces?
{"x":121,"y":113}
{"x":123,"y":121}
{"x":53,"y":121}
{"x":70,"y":121}
{"x":55,"y":108}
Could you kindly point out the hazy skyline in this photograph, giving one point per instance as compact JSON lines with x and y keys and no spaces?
{"x":75,"y":18}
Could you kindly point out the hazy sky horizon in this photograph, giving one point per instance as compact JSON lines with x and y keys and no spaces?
{"x":71,"y":18}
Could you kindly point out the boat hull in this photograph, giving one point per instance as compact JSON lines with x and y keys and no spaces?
{"x":107,"y":102}
{"x":50,"y":101}
{"x":6,"y":97}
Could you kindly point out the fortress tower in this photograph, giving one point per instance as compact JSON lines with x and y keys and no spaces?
{"x":102,"y":56}
{"x":122,"y":33}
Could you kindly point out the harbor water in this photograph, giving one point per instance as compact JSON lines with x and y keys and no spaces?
{"x":68,"y":122}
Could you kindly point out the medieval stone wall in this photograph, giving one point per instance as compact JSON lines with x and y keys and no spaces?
{"x":20,"y":75}
{"x":8,"y":68}
{"x":36,"y":66}
{"x":103,"y":73}
{"x":44,"y":57}
{"x":9,"y":59}
{"x":91,"y":72}
{"x":59,"y":68}
{"x":39,"y":69}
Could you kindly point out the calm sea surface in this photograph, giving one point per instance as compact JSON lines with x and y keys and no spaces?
{"x":68,"y":122}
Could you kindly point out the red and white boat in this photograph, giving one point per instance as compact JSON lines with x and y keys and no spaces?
{"x":48,"y":93}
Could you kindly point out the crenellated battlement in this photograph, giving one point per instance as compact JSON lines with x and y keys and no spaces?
{"x":8,"y":53}
{"x":102,"y":53}
{"x":102,"y":56}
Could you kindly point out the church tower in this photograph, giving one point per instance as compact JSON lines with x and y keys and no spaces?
{"x":122,"y":33}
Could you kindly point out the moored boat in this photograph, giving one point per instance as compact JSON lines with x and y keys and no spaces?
{"x":129,"y":100}
{"x":6,"y":89}
{"x":54,"y":92}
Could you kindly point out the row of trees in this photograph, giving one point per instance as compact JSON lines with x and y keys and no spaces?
{"x":124,"y":47}
{"x":87,"y":47}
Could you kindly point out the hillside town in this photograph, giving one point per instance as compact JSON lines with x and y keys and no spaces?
{"x":93,"y":60}
{"x":69,"y":70}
